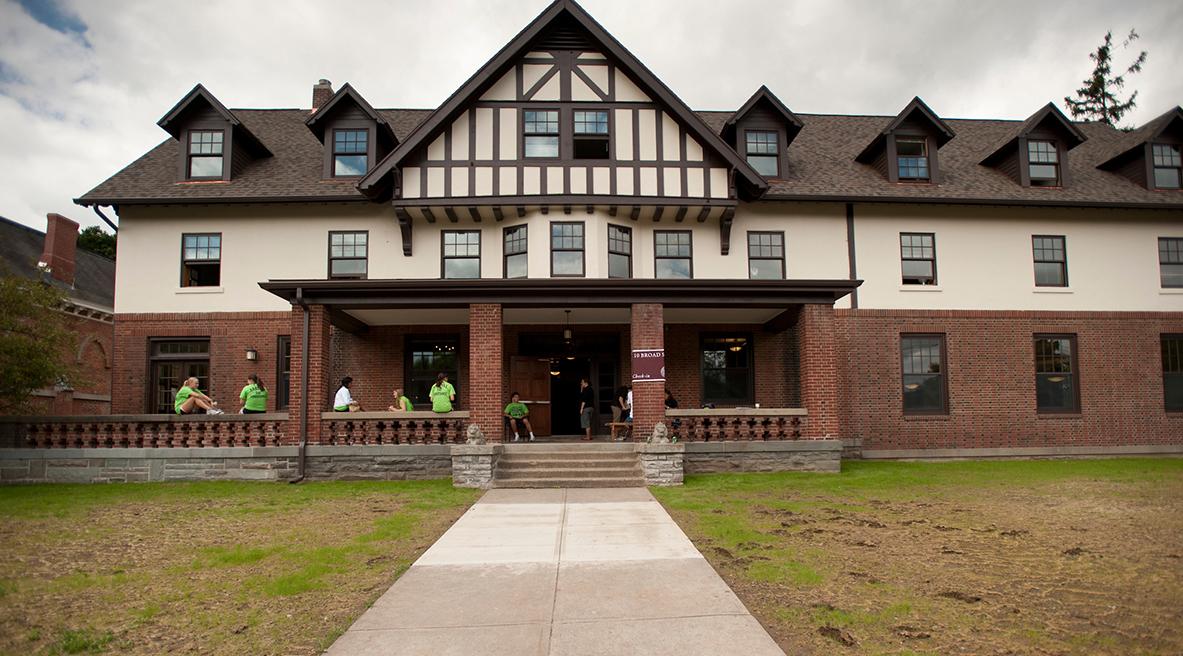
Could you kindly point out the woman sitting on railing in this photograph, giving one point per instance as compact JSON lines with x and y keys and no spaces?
{"x":401,"y":402}
{"x":442,"y":394}
{"x":190,"y":399}
{"x":253,"y":396}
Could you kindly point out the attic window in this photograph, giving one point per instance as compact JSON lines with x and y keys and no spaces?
{"x":1043,"y":163}
{"x":761,"y":149}
{"x":349,"y":153}
{"x":591,"y":135}
{"x":912,"y":158}
{"x":540,"y":133}
{"x":205,"y":154}
{"x":1167,"y":166}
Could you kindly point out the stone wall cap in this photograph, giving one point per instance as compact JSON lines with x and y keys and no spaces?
{"x":475,"y":449}
{"x":148,"y":453}
{"x":143,"y":419}
{"x":750,"y":447}
{"x":737,"y":412}
{"x":415,"y":414}
{"x":327,"y":450}
{"x":645,"y":447}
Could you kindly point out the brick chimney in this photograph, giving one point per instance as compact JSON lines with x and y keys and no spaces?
{"x":321,"y":92}
{"x":61,"y":240}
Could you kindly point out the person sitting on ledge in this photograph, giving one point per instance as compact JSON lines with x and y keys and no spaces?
{"x":516,"y":414}
{"x":344,"y":401}
{"x":442,"y":394}
{"x":401,"y":402}
{"x":190,"y":399}
{"x":253,"y":396}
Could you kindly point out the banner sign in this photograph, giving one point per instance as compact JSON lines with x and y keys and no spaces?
{"x":649,"y":365}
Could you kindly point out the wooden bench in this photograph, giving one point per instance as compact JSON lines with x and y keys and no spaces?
{"x":620,"y":427}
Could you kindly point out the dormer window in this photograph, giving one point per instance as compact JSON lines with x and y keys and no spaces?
{"x":1168,"y":167}
{"x":912,"y":158}
{"x":349,"y":153}
{"x":540,"y":132}
{"x":1043,"y":163}
{"x":761,"y":149}
{"x":205,"y":154}
{"x":591,"y":135}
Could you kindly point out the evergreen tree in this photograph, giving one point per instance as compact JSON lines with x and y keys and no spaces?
{"x":95,"y":240}
{"x":1097,"y":100}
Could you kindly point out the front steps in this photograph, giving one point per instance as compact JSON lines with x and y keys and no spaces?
{"x":579,"y":464}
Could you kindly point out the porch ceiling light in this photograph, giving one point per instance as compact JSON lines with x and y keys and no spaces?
{"x":568,"y":334}
{"x":554,"y":367}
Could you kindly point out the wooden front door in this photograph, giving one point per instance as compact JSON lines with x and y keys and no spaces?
{"x":530,"y":377}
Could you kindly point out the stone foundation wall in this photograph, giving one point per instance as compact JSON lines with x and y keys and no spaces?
{"x":473,"y":465}
{"x":378,"y":463}
{"x":138,"y":465}
{"x":796,"y":455}
{"x":662,"y":464}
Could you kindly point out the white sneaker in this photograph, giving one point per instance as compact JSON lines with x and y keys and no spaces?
{"x":531,"y":437}
{"x":515,"y":437}
{"x":214,"y":411}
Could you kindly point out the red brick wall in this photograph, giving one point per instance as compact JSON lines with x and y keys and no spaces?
{"x":89,"y":354}
{"x":377,"y":362}
{"x":487,"y":368}
{"x":774,"y":364}
{"x":991,"y":379}
{"x":647,"y":331}
{"x":319,"y":370}
{"x":817,"y":341}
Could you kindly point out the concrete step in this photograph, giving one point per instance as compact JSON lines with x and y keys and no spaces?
{"x":568,"y":482}
{"x":529,"y":462}
{"x":567,"y":472}
{"x":573,"y":457}
{"x":578,"y":447}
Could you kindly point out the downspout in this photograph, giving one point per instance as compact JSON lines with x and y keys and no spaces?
{"x":303,"y":448}
{"x":850,"y":253}
{"x":99,"y":211}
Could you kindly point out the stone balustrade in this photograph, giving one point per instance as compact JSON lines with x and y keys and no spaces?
{"x":736,"y":424}
{"x":143,"y":431}
{"x":368,"y":428}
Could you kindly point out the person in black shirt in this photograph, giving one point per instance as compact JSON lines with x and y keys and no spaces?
{"x":670,"y":401}
{"x":587,"y":402}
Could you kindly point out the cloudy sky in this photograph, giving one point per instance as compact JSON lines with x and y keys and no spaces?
{"x":83,"y":82}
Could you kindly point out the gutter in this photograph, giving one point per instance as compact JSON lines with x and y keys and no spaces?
{"x":98,"y":210}
{"x":303,"y":448}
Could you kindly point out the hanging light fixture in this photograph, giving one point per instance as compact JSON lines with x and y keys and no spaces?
{"x":568,"y":334}
{"x":554,"y":367}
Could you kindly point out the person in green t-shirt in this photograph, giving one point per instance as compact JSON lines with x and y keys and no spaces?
{"x":190,"y":399}
{"x":401,"y":402}
{"x":516,"y":414}
{"x":442,"y":394}
{"x":253,"y":396}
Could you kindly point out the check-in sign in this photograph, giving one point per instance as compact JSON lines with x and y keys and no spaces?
{"x":649,"y":365}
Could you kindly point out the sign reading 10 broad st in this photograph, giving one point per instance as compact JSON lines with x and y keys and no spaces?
{"x":648,"y":365}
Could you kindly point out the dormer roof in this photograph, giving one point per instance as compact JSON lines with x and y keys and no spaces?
{"x":1154,"y":130}
{"x":916,"y":111}
{"x":763,"y":95}
{"x":345,"y":96}
{"x":1048,"y":117}
{"x":174,"y":121}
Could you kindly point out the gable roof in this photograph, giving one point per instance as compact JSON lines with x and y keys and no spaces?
{"x":172,"y":123}
{"x":347,"y":93}
{"x":763,"y":93}
{"x":1074,"y":137}
{"x":1136,"y":139}
{"x":561,"y":13}
{"x":94,"y":275}
{"x":916,"y":105}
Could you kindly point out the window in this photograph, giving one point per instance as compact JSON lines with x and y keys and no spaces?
{"x":1051,"y":261}
{"x":1043,"y":163}
{"x":1055,"y":374}
{"x":918,"y":259}
{"x":762,"y":152}
{"x":283,"y":372}
{"x":428,"y":357}
{"x":922,"y":360}
{"x":348,"y":254}
{"x":727,"y":369}
{"x":201,"y":260}
{"x":205,"y":154}
{"x":1168,"y":166}
{"x":1170,"y":261}
{"x":540,"y":133}
{"x":172,"y":362}
{"x":566,"y":249}
{"x":672,"y":252}
{"x":620,"y":251}
{"x":911,"y":155}
{"x":462,"y":254}
{"x":591,"y":135}
{"x":766,"y":255}
{"x":350,"y":153}
{"x":1172,"y":372}
{"x":515,"y":252}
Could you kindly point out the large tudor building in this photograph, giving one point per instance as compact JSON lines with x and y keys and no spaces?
{"x":911,"y":282}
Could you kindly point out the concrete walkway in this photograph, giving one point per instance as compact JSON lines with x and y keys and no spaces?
{"x":579,"y":571}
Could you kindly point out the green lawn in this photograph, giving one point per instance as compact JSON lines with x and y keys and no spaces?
{"x":1048,"y":556}
{"x":219,"y":567}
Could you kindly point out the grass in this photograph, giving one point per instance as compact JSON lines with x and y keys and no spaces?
{"x":220,"y":567}
{"x":1050,"y":556}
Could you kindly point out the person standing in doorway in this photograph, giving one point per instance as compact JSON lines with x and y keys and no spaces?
{"x":442,"y":394}
{"x":587,"y":403}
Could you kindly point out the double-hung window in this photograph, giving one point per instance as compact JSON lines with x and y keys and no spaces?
{"x":761,"y":149}
{"x":201,"y":260}
{"x":515,"y":252}
{"x":283,"y":371}
{"x":1051,"y":261}
{"x":1170,"y":261}
{"x":766,"y":255}
{"x":1172,"y":372}
{"x":922,"y":361}
{"x":348,"y":254}
{"x":911,"y":154}
{"x":1168,"y":166}
{"x":1043,"y":163}
{"x":591,"y":134}
{"x":672,"y":252}
{"x":566,"y":249}
{"x":350,"y":152}
{"x":540,"y":133}
{"x":918,"y":258}
{"x":205,"y":154}
{"x":620,"y":251}
{"x":1056,"y":387}
{"x":462,"y":254}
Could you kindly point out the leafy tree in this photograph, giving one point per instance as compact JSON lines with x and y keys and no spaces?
{"x":95,"y":240}
{"x":1097,"y":100}
{"x":33,"y":341}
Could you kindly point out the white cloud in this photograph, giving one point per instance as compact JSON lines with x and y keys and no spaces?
{"x":76,"y":113}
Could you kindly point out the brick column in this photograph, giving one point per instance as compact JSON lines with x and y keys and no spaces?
{"x":485,"y":367}
{"x":817,"y":344}
{"x":319,"y":367}
{"x":647,"y":331}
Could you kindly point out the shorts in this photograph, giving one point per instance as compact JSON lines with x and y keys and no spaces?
{"x":585,"y":419}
